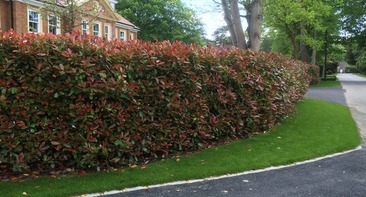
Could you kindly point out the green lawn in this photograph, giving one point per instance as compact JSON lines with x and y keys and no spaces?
{"x":317,"y":129}
{"x":331,"y":81}
{"x":361,"y":75}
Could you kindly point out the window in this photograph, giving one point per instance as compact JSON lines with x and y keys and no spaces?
{"x":84,"y":27}
{"x":96,"y":29}
{"x":122,"y":36}
{"x":106,"y":31}
{"x":52,"y":24}
{"x":33,"y":21}
{"x":131,"y":38}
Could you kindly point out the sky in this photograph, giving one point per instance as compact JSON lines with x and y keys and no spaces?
{"x":208,"y":13}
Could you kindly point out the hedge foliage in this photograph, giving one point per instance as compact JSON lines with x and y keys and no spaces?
{"x":83,"y":102}
{"x":314,"y":72}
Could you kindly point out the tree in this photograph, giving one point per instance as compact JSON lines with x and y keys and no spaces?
{"x":305,"y":23}
{"x":276,"y":41}
{"x":254,"y":17}
{"x":232,"y":19}
{"x":163,"y":20}
{"x":354,"y":29}
{"x":354,"y":20}
{"x":221,"y":37}
{"x":70,"y":12}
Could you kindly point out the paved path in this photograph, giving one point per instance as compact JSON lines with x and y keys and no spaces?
{"x":343,"y":175}
{"x":355,"y":87}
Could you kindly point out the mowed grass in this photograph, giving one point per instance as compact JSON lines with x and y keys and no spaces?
{"x":318,"y":128}
{"x":361,"y":75}
{"x":331,"y":81}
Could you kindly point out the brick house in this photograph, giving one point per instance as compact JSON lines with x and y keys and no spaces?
{"x":26,"y":16}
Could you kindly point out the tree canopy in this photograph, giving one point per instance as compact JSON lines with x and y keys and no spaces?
{"x":302,"y":21}
{"x":163,"y":20}
{"x":354,"y":20}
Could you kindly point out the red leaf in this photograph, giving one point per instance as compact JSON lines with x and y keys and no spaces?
{"x":21,"y":124}
{"x":143,"y":167}
{"x":82,"y":173}
{"x":13,"y":178}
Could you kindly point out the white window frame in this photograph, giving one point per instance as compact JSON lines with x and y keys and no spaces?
{"x":84,"y":27}
{"x":96,"y":32}
{"x":37,"y":22}
{"x":57,"y":26}
{"x":122,"y":35}
{"x":107,"y":32}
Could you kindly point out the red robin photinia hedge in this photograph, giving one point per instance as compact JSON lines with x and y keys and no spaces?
{"x":85,"y":102}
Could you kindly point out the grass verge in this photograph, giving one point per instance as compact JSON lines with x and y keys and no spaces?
{"x":331,"y":81}
{"x":361,"y":75}
{"x":318,"y":128}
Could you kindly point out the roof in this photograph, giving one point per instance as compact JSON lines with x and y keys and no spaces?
{"x":124,"y":21}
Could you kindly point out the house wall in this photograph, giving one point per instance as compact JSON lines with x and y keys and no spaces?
{"x":21,"y":20}
{"x":20,"y":17}
{"x":5,"y":22}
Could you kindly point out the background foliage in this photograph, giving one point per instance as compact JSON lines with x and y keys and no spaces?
{"x":163,"y":20}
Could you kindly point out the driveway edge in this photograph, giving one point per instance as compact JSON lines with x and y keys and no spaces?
{"x":221,"y":177}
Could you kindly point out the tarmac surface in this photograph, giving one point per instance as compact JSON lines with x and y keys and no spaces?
{"x":341,"y":175}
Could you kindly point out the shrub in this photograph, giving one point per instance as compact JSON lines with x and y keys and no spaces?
{"x":361,"y":63}
{"x":83,"y":102}
{"x":332,"y":68}
{"x":351,"y":69}
{"x":314,"y":72}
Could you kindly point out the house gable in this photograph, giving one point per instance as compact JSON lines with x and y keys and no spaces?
{"x":105,"y":11}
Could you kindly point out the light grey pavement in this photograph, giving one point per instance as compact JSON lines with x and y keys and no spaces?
{"x":340,"y":176}
{"x":355,"y":94}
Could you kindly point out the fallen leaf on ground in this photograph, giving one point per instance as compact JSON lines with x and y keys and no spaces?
{"x":143,"y":167}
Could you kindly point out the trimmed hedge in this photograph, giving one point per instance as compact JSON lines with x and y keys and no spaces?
{"x":351,"y":69}
{"x":84,"y":102}
{"x":314,"y":72}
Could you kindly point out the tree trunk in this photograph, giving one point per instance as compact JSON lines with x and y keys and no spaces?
{"x":238,"y":28}
{"x":295,"y":47}
{"x":304,"y":48}
{"x":313,"y":55}
{"x":255,"y":24}
{"x":229,"y":21}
